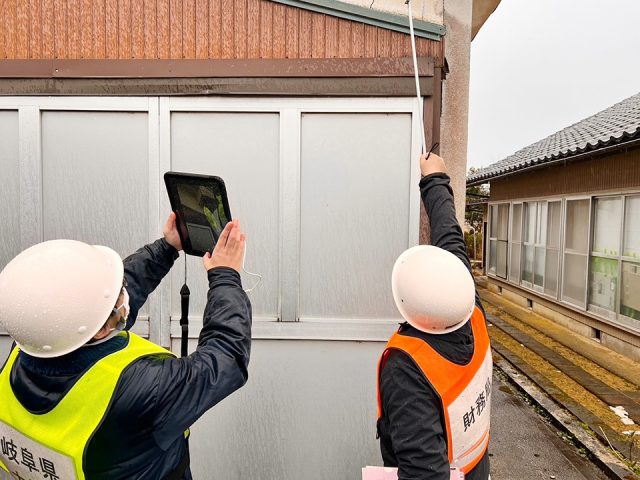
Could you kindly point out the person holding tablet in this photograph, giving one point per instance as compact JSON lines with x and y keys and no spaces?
{"x":82,"y":397}
{"x":434,"y":377}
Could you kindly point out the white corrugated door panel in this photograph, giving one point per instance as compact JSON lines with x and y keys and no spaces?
{"x":243,"y":149}
{"x":354,"y":215}
{"x":96,"y":178}
{"x":9,"y":199}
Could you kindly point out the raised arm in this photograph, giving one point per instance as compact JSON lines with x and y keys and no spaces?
{"x":189,"y":386}
{"x":437,"y":197}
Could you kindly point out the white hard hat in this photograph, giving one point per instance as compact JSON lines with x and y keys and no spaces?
{"x":56,"y":295}
{"x":433,"y":289}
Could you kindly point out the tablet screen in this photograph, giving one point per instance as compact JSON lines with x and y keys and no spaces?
{"x":202,"y":208}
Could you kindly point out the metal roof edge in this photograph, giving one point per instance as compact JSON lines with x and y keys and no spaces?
{"x":377,"y":18}
{"x":623,"y":143}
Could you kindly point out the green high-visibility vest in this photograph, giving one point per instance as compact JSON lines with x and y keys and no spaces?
{"x":51,"y":446}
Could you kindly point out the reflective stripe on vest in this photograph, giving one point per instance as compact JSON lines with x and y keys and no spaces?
{"x":464,"y":391}
{"x":51,"y":446}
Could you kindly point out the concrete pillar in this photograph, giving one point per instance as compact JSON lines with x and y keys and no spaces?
{"x":455,"y":96}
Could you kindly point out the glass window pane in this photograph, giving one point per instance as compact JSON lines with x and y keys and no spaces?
{"x":503,"y":221}
{"x":527,"y":265}
{"x":541,"y":224}
{"x":211,"y":143}
{"x":514,"y":263}
{"x":502,"y":259}
{"x":630,"y":293}
{"x":606,"y":230}
{"x":574,"y":278}
{"x":551,"y":272}
{"x":10,"y":191}
{"x":553,"y":225}
{"x":530,"y":222}
{"x":603,"y":282}
{"x":494,"y":221}
{"x":577,"y":225}
{"x":349,"y":225}
{"x":493,"y":255}
{"x":632,"y":228}
{"x":539,"y":267}
{"x":516,"y":223}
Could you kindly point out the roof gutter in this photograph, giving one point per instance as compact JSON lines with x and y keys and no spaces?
{"x":369,"y":16}
{"x":618,"y":147}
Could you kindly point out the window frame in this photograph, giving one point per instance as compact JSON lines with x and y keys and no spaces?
{"x":495,"y":238}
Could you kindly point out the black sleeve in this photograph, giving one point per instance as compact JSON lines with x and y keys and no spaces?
{"x":415,"y":425}
{"x":189,"y":386}
{"x":144,"y":270}
{"x":446,"y":233}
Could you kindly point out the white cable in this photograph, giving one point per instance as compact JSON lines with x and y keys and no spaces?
{"x":244,"y":257}
{"x":415,"y":71}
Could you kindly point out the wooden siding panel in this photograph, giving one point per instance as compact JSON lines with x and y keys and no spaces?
{"x":111,"y":28}
{"x":384,"y":43}
{"x":124,"y":28}
{"x":175,"y":30}
{"x":60,"y":31}
{"x":613,"y":172}
{"x":202,"y":28}
{"x":240,"y":29}
{"x":86,"y":29}
{"x":357,"y":40}
{"x":292,"y":33}
{"x":279,"y":35}
{"x":318,"y":36}
{"x":331,"y":37}
{"x":193,"y":29}
{"x":306,"y":31}
{"x":35,"y":25}
{"x":370,"y":41}
{"x":215,"y":29}
{"x":137,"y":29}
{"x":266,"y":29}
{"x":10,"y":28}
{"x":164,"y":28}
{"x":48,"y":29}
{"x":74,"y":28}
{"x":344,"y":39}
{"x":253,"y":28}
{"x":99,"y":30}
{"x":150,"y":29}
{"x":189,"y":29}
{"x":22,"y":29}
{"x":227,"y":28}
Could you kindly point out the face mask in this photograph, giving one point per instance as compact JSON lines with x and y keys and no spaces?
{"x":127,"y":309}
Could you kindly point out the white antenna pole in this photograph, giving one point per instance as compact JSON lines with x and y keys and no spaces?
{"x":415,"y":71}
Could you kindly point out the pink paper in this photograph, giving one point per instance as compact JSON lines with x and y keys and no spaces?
{"x":385,"y":473}
{"x":379,"y":473}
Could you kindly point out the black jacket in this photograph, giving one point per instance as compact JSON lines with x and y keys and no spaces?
{"x":412,"y":429}
{"x":157,"y":398}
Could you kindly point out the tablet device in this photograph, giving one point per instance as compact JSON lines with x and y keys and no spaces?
{"x":202,"y":209}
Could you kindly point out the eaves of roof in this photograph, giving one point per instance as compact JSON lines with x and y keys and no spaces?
{"x":389,"y":21}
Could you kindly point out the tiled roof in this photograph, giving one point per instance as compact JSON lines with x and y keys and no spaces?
{"x":616,"y":124}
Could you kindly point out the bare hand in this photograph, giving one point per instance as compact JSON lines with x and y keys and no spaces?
{"x":170,"y":232}
{"x":229,"y":250}
{"x":435,"y":164}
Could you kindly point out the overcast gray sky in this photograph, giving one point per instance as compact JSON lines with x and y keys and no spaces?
{"x":538,"y":66}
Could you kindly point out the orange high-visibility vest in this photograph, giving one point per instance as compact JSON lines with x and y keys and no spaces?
{"x":464,"y":391}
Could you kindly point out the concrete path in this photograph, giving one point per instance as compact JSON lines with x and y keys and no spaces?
{"x":524,"y":446}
